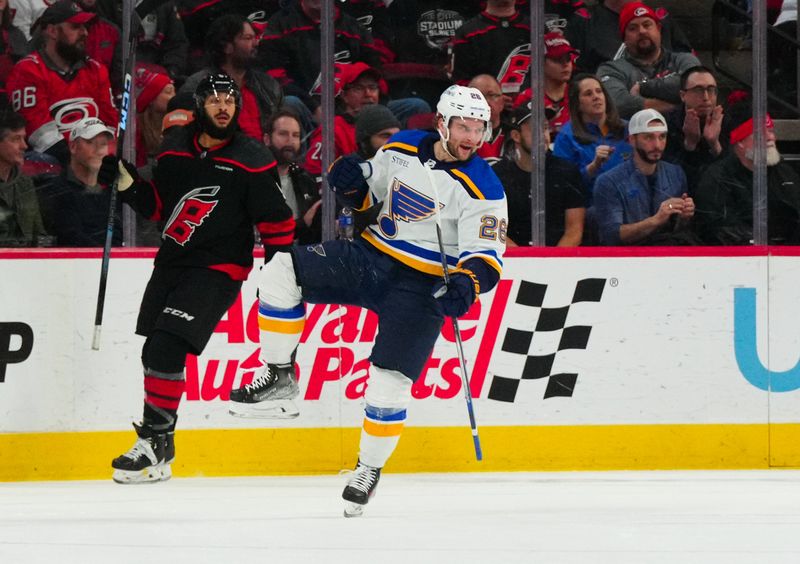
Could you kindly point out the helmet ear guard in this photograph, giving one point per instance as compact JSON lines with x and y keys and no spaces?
{"x":464,"y":102}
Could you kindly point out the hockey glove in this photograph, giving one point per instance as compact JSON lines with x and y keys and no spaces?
{"x":113,"y":166}
{"x":348,"y":178}
{"x":458,"y":296}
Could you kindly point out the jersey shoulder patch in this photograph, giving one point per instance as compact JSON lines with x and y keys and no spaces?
{"x":479,"y":180}
{"x":406,"y":142}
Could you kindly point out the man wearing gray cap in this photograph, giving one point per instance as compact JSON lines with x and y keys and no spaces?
{"x":374,"y":126}
{"x":644,"y":201}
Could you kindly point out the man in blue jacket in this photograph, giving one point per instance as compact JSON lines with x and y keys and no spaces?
{"x":643,"y":201}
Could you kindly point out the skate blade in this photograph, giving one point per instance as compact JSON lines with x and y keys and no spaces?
{"x":353,"y":509}
{"x":149,"y":475}
{"x":265,"y":410}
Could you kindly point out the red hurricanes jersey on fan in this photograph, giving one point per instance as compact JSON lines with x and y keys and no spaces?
{"x":52,"y":102}
{"x":344,"y":141}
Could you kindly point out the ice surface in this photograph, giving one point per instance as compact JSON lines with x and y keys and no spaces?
{"x":614,"y":517}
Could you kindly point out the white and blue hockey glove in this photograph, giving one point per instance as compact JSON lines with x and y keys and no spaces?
{"x":458,"y":295}
{"x":347,"y":177}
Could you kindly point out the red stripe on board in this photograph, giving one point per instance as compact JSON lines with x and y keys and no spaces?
{"x":489,"y":337}
{"x":622,"y":252}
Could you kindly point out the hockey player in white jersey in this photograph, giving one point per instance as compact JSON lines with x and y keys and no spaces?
{"x":394,"y":269}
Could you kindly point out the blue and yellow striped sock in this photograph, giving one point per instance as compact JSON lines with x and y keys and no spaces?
{"x":380,"y":434}
{"x":280,"y":331}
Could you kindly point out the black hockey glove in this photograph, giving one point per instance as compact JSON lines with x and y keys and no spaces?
{"x":112,"y":167}
{"x":458,"y":296}
{"x":348,"y":178}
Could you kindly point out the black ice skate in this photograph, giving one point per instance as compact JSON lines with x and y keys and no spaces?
{"x":359,"y":489}
{"x":270,"y":396}
{"x":145,"y":461}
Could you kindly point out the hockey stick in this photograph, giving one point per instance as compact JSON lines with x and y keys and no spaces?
{"x":459,"y":345}
{"x":127,"y":85}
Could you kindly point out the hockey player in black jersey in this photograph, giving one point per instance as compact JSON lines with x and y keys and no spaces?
{"x":211,"y":184}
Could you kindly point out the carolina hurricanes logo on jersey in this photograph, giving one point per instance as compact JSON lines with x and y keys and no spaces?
{"x":515,"y":69}
{"x":70,"y":111}
{"x":405,"y":204}
{"x":190,"y":212}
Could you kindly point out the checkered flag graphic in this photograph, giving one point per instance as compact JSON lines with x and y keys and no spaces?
{"x":550,"y":324}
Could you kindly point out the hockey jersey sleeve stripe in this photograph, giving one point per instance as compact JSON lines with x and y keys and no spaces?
{"x":467,"y":183}
{"x":247,"y":168}
{"x":235,"y":271}
{"x":174,"y":154}
{"x":401,"y":148}
{"x":488,"y":257}
{"x":417,"y":258}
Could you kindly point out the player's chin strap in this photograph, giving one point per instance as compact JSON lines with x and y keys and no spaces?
{"x":465,"y":380}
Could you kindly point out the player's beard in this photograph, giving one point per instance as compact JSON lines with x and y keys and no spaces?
{"x":71,"y":53}
{"x":208,"y":126}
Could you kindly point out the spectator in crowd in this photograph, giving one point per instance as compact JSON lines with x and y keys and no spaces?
{"x":357,"y":86}
{"x":231,"y":44}
{"x":104,"y":43}
{"x":20,"y":221}
{"x":557,"y":13}
{"x":644,"y":200}
{"x":595,"y":138}
{"x":490,"y":88}
{"x":375,"y":124}
{"x":25,"y":13}
{"x":154,"y":89}
{"x":564,"y":193}
{"x":373,"y":15}
{"x":290,"y":47}
{"x":725,"y":193}
{"x":698,"y":129}
{"x":198,"y":15}
{"x":161,"y":39}
{"x":558,"y":66}
{"x":421,"y":32}
{"x":593,"y":30}
{"x":298,"y":187}
{"x":13,"y":46}
{"x":76,"y":206}
{"x":496,"y":42}
{"x":58,"y":84}
{"x":647,"y":75}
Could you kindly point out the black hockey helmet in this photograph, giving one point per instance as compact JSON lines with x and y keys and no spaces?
{"x":216,"y":84}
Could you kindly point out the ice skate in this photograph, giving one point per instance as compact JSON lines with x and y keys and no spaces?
{"x":360,"y":489}
{"x":269,"y":396}
{"x":145,"y":461}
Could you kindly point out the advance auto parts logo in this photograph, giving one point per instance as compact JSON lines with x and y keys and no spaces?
{"x":339,"y":339}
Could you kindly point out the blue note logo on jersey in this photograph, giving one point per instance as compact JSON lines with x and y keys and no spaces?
{"x":405,"y":204}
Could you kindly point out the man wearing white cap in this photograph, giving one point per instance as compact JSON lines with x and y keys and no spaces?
{"x":644,"y":200}
{"x":75,"y":205}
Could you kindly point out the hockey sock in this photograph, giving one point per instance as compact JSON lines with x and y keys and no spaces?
{"x":280,"y":331}
{"x":380,"y":434}
{"x":162,"y":396}
{"x":164,"y":359}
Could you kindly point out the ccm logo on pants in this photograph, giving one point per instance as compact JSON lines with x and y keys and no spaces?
{"x":178,"y":313}
{"x":21,"y":352}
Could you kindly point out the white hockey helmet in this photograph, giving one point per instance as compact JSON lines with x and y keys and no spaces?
{"x":464,"y":102}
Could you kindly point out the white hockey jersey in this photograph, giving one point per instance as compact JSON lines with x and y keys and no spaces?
{"x":471,"y":198}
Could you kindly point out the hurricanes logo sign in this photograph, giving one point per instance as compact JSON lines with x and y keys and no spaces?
{"x":406,"y":205}
{"x":190,"y":212}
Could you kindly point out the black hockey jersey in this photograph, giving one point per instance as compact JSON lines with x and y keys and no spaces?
{"x":209,"y":201}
